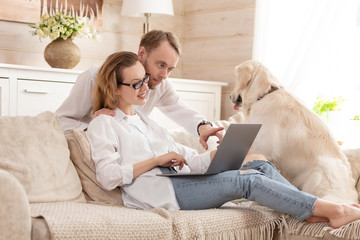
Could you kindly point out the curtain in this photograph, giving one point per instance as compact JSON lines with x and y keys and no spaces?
{"x":312,"y":47}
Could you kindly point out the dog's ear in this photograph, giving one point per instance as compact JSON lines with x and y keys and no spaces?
{"x":264,"y":79}
{"x":242,"y":79}
{"x":244,"y":74}
{"x":268,"y":78}
{"x":261,"y":83}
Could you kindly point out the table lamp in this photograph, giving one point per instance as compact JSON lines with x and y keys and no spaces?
{"x":139,"y":8}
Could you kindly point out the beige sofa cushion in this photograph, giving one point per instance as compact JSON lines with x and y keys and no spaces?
{"x":35,"y":151}
{"x":242,"y":220}
{"x":14,"y":209}
{"x":81,"y":156}
{"x":79,"y":221}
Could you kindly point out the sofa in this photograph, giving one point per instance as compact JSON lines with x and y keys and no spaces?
{"x":49,"y":191}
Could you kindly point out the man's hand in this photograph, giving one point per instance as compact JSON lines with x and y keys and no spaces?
{"x":105,"y":111}
{"x":207,"y":131}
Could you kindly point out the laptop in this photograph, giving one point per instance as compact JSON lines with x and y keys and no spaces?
{"x":231,"y":151}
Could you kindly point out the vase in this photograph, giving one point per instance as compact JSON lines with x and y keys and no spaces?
{"x":62,"y":53}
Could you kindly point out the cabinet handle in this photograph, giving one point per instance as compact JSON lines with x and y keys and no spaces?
{"x":34,"y":91}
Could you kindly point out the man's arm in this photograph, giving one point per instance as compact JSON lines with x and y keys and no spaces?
{"x":172,"y":106}
{"x":76,"y":110}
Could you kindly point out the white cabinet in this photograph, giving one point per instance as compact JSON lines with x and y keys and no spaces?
{"x":26,"y":90}
{"x":204,"y":96}
{"x":4,"y":96}
{"x":34,"y":97}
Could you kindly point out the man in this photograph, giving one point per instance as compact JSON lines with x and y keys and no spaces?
{"x":159,"y":53}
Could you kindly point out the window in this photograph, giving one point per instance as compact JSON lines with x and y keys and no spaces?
{"x":312,"y":47}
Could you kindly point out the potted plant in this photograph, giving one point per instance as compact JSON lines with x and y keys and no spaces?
{"x":61,"y":28}
{"x":356,"y":117}
{"x":323,"y":106}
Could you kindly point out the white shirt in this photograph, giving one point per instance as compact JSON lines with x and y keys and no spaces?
{"x":119,"y":142}
{"x":76,"y":110}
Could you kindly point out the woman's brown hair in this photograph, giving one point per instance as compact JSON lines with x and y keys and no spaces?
{"x":108,"y":79}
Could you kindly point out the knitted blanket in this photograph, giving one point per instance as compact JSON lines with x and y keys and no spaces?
{"x":237,"y":220}
{"x":293,"y":227}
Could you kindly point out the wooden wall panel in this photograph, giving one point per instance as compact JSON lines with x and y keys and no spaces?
{"x":205,"y":5}
{"x":12,"y":56}
{"x":115,"y":23}
{"x":217,"y":36}
{"x":18,"y":10}
{"x":217,"y":51}
{"x":17,"y":36}
{"x":18,"y":46}
{"x":222,"y":74}
{"x":218,"y":24}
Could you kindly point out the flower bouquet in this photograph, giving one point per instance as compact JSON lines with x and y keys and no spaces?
{"x":62,"y":25}
{"x":61,"y":28}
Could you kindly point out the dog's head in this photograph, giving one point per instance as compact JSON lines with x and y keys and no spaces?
{"x":253,"y":81}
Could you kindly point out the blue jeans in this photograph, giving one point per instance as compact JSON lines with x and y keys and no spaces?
{"x":264,"y":184}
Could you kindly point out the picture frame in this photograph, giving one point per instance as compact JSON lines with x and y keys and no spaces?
{"x":30,"y":11}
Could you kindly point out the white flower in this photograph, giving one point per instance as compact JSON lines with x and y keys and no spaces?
{"x":40,"y":33}
{"x":61,"y":29}
{"x":45,"y":16}
{"x":63,"y":26}
{"x":51,"y":22}
{"x":46,"y":31}
{"x":54,"y":35}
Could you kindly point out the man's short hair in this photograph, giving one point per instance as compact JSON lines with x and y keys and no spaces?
{"x":152,"y":40}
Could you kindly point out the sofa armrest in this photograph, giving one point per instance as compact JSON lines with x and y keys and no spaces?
{"x":14,"y":208}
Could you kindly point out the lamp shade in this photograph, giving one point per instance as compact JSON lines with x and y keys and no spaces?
{"x":137,"y":8}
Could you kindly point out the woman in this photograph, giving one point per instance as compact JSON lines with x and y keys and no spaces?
{"x":129,"y":150}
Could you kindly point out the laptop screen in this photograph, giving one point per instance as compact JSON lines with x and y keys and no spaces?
{"x":234,"y":147}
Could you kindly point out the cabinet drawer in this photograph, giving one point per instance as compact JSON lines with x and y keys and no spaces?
{"x":204,"y":103}
{"x":36,"y":96}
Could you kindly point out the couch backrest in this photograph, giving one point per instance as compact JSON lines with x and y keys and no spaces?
{"x":34,"y":149}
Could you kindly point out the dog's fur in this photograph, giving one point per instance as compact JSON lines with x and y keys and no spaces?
{"x":294,"y":138}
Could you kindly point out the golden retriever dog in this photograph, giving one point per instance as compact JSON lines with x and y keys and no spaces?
{"x":293,"y":137}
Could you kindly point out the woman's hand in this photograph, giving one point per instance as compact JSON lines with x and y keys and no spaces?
{"x":171,"y":159}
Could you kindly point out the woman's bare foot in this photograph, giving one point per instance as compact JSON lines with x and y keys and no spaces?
{"x":344,"y":215}
{"x":355,"y":205}
{"x":317,"y":219}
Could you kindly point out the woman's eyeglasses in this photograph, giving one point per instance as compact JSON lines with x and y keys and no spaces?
{"x":139,"y":84}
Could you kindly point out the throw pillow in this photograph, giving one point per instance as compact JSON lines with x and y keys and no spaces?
{"x":35,"y":151}
{"x":80,"y":154}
